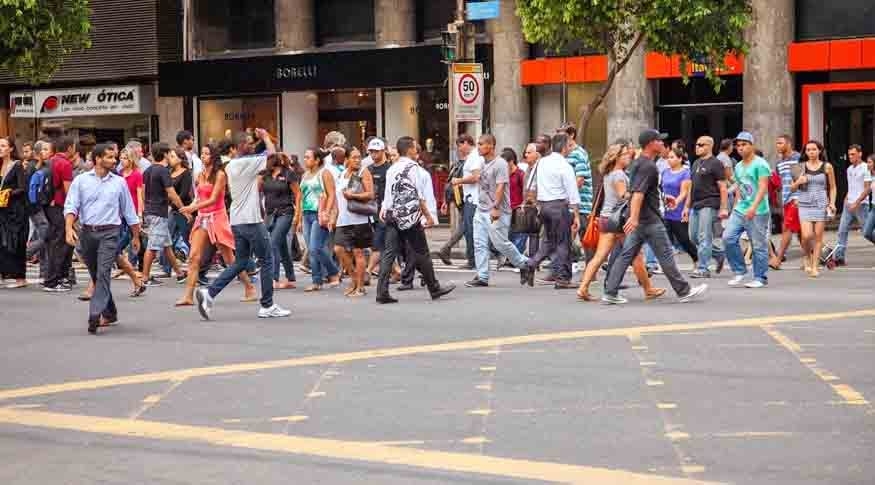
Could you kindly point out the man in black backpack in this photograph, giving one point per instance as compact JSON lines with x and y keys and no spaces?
{"x":405,"y":211}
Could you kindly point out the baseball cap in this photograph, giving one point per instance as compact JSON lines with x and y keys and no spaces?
{"x":745,"y":136}
{"x":650,"y":135}
{"x":377,"y":145}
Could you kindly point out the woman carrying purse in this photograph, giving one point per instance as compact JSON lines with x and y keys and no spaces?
{"x":313,"y":214}
{"x":355,"y":206}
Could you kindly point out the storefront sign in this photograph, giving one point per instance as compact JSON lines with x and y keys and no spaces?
{"x":56,"y":103}
{"x":468,"y":89}
{"x":297,"y":72}
{"x":483,"y":9}
{"x":21,"y":104}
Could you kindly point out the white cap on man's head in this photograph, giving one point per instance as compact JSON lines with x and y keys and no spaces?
{"x":377,"y":145}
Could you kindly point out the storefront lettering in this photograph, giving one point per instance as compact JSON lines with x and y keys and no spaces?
{"x":114,"y":96}
{"x":80,"y":98}
{"x":239,"y":116}
{"x":297,"y":72}
{"x":88,"y":101}
{"x":441,"y":106}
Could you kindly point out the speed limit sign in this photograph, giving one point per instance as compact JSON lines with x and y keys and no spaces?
{"x":468,"y":88}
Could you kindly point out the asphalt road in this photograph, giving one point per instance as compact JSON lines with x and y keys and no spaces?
{"x":496,"y":385}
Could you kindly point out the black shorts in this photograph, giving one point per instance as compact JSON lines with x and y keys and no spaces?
{"x":358,"y":236}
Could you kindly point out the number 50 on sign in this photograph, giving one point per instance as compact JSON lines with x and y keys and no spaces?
{"x":468,"y":89}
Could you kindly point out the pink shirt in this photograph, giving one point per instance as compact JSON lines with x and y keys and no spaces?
{"x":134,"y":181}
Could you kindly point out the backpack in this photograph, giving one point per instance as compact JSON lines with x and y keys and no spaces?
{"x":40,"y":189}
{"x":406,"y":211}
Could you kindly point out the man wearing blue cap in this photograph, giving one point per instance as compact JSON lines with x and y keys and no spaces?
{"x":751,"y":215}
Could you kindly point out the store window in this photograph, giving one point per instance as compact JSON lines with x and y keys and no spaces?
{"x":353,"y":113}
{"x":836,"y":19}
{"x":218,"y":118}
{"x":227,"y":25}
{"x":695,"y":109}
{"x":595,"y":140}
{"x":344,"y":21}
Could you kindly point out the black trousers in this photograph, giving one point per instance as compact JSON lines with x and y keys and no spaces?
{"x":99,"y":251}
{"x":396,"y":241}
{"x":556,"y":243}
{"x":60,"y":253}
{"x":680,"y":233}
{"x":409,"y":270}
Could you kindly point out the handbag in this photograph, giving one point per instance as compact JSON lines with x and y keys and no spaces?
{"x":5,"y":194}
{"x":617,"y":219}
{"x":360,"y":207}
{"x":590,"y":239}
{"x":526,"y":219}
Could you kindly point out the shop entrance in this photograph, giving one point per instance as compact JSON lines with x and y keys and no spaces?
{"x":690,"y":122}
{"x":353,"y":113}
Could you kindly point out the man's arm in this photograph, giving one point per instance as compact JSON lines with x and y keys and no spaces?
{"x":634,"y":212}
{"x":724,"y":196}
{"x":270,"y":147}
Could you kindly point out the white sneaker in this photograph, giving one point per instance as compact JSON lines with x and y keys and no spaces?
{"x":737,"y":281}
{"x":275,"y":311}
{"x":755,"y":284}
{"x":204,"y":303}
{"x":695,"y":292}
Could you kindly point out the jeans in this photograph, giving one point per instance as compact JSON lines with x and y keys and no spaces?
{"x":869,"y":227}
{"x":704,"y":235}
{"x":99,"y":251}
{"x":655,"y":235}
{"x":485,"y":231}
{"x":279,"y":227}
{"x":249,"y":238}
{"x":38,"y":242}
{"x":556,"y":243}
{"x":397,"y":242}
{"x":316,"y":236}
{"x":848,"y":216}
{"x":180,"y":230}
{"x":60,"y":253}
{"x":758,"y":232}
{"x":650,"y":257}
{"x":519,"y":240}
{"x":468,"y":212}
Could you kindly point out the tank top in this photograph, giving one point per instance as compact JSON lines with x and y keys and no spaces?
{"x":204,"y":192}
{"x":814,"y":193}
{"x":311,"y":190}
{"x":344,"y":216}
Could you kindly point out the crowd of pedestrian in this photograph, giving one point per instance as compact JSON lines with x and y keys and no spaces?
{"x":358,"y":213}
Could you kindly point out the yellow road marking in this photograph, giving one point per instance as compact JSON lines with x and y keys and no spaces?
{"x":316,"y":394}
{"x":677,"y":436}
{"x":421,"y":349}
{"x":846,"y":392}
{"x":480,"y":412}
{"x":666,"y":405}
{"x":151,"y":401}
{"x":290,"y":419}
{"x":334,"y":449}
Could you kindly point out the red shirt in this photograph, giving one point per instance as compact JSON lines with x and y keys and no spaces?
{"x":62,"y":171}
{"x":516,"y":188}
{"x":134,"y":181}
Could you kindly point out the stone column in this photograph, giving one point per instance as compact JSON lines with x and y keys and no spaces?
{"x":295,"y":24}
{"x":769,"y":94}
{"x":630,"y":102}
{"x":510,"y":110}
{"x":394,"y":22}
{"x":300,"y":112}
{"x":171,"y":118}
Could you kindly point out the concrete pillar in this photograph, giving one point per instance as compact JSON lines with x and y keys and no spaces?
{"x":171,"y":118}
{"x":769,"y":94}
{"x":300,"y":114}
{"x":546,"y":109}
{"x":395,"y":22}
{"x":295,"y":24}
{"x":401,"y":116}
{"x":630,"y":101}
{"x":510,"y":117}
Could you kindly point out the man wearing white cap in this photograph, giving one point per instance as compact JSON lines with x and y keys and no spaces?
{"x":377,"y":163}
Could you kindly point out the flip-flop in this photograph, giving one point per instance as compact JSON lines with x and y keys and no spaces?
{"x":249,"y":299}
{"x":656,"y":293}
{"x":138,"y":291}
{"x":585,"y":297}
{"x":182,"y":304}
{"x":84,"y":297}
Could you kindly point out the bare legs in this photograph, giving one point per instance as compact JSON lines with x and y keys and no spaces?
{"x":812,"y":245}
{"x":200,"y":239}
{"x":603,"y":251}
{"x":354,"y":264}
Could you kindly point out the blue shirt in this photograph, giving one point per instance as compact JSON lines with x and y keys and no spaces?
{"x":100,"y":202}
{"x":785,"y":170}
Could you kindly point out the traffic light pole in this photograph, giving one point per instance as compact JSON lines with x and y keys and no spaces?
{"x":462,"y":35}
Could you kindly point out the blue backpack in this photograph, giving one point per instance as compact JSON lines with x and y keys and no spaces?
{"x":40,"y":190}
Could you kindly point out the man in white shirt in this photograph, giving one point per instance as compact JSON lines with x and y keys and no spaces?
{"x":492,"y":220}
{"x":558,"y":200}
{"x":857,"y":200}
{"x":247,"y":224}
{"x":470,"y":182}
{"x":406,"y":213}
{"x":185,"y":140}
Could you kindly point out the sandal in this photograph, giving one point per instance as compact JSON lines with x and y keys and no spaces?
{"x":313,"y":288}
{"x":84,"y":297}
{"x":349,"y":291}
{"x":137,"y":291}
{"x":654,"y":293}
{"x":585,"y":296}
{"x":249,"y":298}
{"x":181,"y":303}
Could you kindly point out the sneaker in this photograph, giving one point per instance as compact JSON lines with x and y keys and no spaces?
{"x":203,"y":281}
{"x":737,"y":281}
{"x":59,"y":288}
{"x":204,"y":303}
{"x":694,"y":292}
{"x":614,"y":300}
{"x":162,"y":276}
{"x":443,"y":290}
{"x":275,"y":311}
{"x":658,"y":270}
{"x":699,"y":274}
{"x":547,"y":280}
{"x":477,"y":283}
{"x":180,"y":279}
{"x":755,"y":285}
{"x":152,"y":281}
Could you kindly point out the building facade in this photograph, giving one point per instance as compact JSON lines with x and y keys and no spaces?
{"x":108,"y":91}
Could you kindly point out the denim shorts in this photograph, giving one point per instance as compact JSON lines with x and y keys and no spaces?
{"x":159,"y":233}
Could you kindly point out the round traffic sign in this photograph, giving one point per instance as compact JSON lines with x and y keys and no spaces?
{"x":469,"y":89}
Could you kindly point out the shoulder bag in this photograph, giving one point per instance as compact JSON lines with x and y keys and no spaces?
{"x":590,"y":239}
{"x":360,"y":207}
{"x":526,"y":219}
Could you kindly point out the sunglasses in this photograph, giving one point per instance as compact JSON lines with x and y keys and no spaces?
{"x":700,"y":145}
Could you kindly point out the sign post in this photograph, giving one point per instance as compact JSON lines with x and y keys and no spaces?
{"x":468,"y":92}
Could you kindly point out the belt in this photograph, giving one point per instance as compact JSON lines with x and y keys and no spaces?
{"x":107,"y":227}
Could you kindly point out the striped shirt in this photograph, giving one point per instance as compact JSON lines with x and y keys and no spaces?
{"x":784,"y":167}
{"x":579,"y":160}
